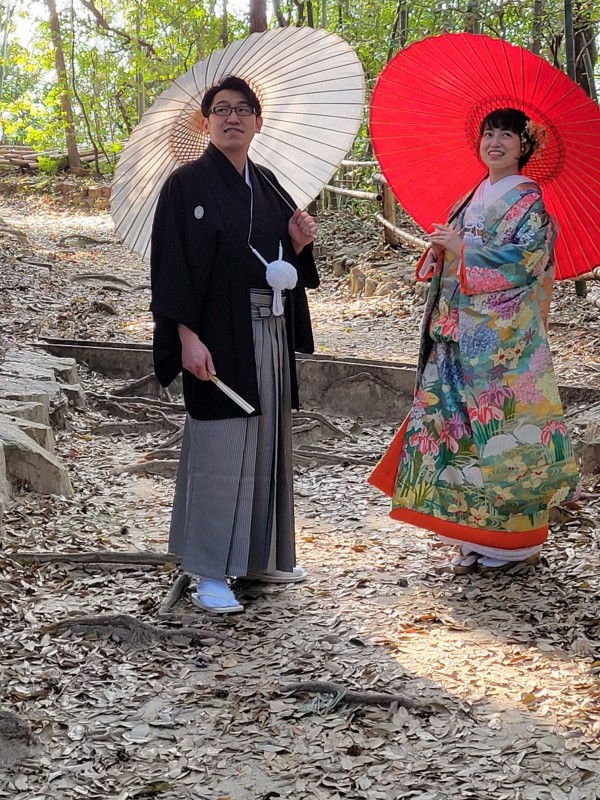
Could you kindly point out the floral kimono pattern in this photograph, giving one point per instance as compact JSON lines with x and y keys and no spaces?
{"x":485,"y":450}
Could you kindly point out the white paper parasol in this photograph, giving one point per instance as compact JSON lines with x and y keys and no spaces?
{"x":311,"y":87}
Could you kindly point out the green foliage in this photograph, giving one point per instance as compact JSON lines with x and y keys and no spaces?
{"x":50,"y":166}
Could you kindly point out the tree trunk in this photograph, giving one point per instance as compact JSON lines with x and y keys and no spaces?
{"x":536,"y":26}
{"x":224,"y":26}
{"x":281,"y":20}
{"x":140,"y":88}
{"x":473,"y":17}
{"x":324,"y":14}
{"x":65,"y":96}
{"x":399,"y":33}
{"x":580,"y":286}
{"x":258,"y":16}
{"x":300,"y":18}
{"x":6,"y":13}
{"x":586,"y":50}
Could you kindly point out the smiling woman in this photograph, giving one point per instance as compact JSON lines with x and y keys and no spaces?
{"x":484,"y":452}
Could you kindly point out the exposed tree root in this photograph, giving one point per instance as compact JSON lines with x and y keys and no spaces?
{"x":175,"y":595}
{"x":352,"y":696}
{"x":127,"y":630}
{"x":97,"y":557}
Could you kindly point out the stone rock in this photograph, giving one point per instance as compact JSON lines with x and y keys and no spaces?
{"x":66,"y":187}
{"x":29,"y":463}
{"x":52,"y":394}
{"x":338,"y":267}
{"x":370,"y":287}
{"x":41,"y":434}
{"x":65,"y":369}
{"x":16,"y":739}
{"x":357,"y":280}
{"x":27,"y":391}
{"x":590,"y":450}
{"x":18,"y":369}
{"x":33,"y":412}
{"x":385,"y":288}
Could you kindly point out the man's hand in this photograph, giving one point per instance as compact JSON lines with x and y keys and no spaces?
{"x":302,"y":230}
{"x":195,"y":356}
{"x":447,"y":237}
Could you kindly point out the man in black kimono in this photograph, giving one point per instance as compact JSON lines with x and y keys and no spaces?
{"x":218,"y":221}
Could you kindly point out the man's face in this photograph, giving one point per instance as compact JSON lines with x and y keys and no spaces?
{"x":232,"y":133}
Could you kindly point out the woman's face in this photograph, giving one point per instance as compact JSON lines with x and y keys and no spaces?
{"x":500,"y":150}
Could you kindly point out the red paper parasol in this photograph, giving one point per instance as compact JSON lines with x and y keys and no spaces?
{"x":426,"y":111}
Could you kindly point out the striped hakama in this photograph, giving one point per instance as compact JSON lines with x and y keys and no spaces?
{"x":233,"y":509}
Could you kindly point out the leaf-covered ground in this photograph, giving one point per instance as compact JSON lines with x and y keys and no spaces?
{"x":504,"y":669}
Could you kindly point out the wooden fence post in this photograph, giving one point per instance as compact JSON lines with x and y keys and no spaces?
{"x":389,"y":212}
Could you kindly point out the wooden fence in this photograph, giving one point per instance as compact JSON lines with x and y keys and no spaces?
{"x":343,"y":189}
{"x":26,"y":157}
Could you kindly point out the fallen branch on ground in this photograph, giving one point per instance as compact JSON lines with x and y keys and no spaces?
{"x":307,"y":453}
{"x":175,"y":439}
{"x":81,"y":239}
{"x":163,"y":453}
{"x":144,"y":558}
{"x":353,"y":696}
{"x":166,"y":467}
{"x":175,"y":595}
{"x":140,"y":383}
{"x":323,"y":420}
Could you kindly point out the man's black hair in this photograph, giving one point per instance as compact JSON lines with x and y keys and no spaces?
{"x":234,"y":85}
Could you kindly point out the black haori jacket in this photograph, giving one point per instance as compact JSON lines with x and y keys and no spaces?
{"x":202,"y":271}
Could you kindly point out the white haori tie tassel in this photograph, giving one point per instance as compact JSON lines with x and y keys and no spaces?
{"x":280,"y":275}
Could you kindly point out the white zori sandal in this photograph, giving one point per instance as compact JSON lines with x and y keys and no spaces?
{"x":215,"y":597}
{"x":297,"y":575}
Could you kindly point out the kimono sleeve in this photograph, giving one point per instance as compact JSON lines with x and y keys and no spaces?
{"x":173,"y":295}
{"x":527,"y":235}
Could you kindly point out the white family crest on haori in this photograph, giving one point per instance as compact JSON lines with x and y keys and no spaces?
{"x":311,"y":87}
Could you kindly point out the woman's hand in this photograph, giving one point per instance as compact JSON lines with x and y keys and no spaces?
{"x":447,"y":237}
{"x":302,"y":230}
{"x":195,"y":356}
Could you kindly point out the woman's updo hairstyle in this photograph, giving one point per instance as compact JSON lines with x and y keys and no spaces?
{"x":511,"y":119}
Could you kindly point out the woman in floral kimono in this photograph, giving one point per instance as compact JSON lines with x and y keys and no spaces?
{"x":484,"y":452}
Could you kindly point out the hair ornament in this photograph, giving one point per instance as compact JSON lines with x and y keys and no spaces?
{"x":535,"y":135}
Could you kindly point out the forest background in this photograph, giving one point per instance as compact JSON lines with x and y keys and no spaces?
{"x":77,"y":75}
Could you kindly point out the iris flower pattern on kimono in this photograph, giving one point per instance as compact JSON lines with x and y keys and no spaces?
{"x":485,"y":445}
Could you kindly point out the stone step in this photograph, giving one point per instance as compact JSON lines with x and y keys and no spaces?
{"x":31,"y":464}
{"x":65,"y":369}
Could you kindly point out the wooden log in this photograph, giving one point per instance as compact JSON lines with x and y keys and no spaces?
{"x":348,"y":163}
{"x":414,"y":241}
{"x":389,"y":213}
{"x":357,"y":195}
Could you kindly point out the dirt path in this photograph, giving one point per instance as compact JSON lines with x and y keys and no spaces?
{"x":506,"y":668}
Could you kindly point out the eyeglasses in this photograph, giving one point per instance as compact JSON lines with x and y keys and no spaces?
{"x":225,"y":111}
